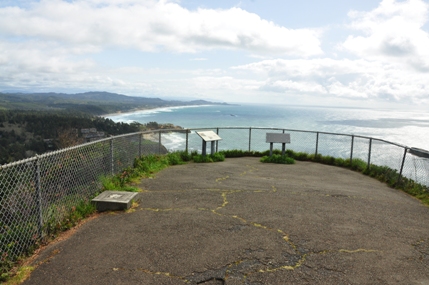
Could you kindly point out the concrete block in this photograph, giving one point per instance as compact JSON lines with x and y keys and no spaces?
{"x":114,"y":200}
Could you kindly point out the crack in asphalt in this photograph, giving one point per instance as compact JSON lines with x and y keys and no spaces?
{"x":422,"y":246}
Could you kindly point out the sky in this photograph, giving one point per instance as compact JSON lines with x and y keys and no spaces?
{"x":364,"y":53}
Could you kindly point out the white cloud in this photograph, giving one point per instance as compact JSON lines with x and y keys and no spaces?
{"x":224,"y":83}
{"x":154,"y":26}
{"x":40,"y":57}
{"x":392,"y":32}
{"x":391,"y":66}
{"x":38,"y":66}
{"x":293,"y":87}
{"x":353,"y":79}
{"x":52,"y":43}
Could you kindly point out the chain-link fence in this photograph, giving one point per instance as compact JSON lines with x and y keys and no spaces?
{"x":37,"y":193}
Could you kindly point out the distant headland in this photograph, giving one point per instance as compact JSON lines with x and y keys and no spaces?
{"x":94,"y":103}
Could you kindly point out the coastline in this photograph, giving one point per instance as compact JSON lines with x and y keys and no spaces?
{"x":126,"y":112}
{"x":152,"y":109}
{"x":150,"y":135}
{"x":405,"y":128}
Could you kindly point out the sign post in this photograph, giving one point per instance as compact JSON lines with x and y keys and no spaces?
{"x":209,"y":136}
{"x":278,"y":138}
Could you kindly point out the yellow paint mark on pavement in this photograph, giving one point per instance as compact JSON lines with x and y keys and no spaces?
{"x":172,"y":209}
{"x":157,"y":209}
{"x":358,"y":250}
{"x":219,"y":180}
{"x":285,"y":267}
{"x":250,"y":169}
{"x":240,"y":218}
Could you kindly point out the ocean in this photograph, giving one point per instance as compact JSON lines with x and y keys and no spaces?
{"x":409,"y":128}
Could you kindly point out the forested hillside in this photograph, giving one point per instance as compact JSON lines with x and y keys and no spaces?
{"x":26,"y":133}
{"x":95,"y":103}
{"x":34,"y":123}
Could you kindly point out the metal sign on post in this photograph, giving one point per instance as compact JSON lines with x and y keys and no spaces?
{"x":209,"y":136}
{"x":278,"y":138}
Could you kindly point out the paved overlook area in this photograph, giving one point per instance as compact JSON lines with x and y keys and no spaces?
{"x":244,"y":222}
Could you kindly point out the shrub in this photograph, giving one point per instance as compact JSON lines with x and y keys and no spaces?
{"x":174,"y":158}
{"x":328,"y":160}
{"x":218,"y":157}
{"x":240,"y":153}
{"x":358,"y":165}
{"x":342,"y":162}
{"x":186,"y":156}
{"x":209,"y":158}
{"x":302,"y":156}
{"x":277,"y":158}
{"x":202,"y":158}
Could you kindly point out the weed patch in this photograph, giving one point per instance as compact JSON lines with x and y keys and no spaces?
{"x":209,"y":158}
{"x":23,"y":235}
{"x":240,"y":153}
{"x":144,"y":166}
{"x":277,"y":158}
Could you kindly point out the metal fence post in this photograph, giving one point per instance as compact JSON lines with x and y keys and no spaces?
{"x":140,"y":145}
{"x":39,"y":198}
{"x":351,"y":150}
{"x":402,"y":165}
{"x":159,"y":144}
{"x":317,"y":143}
{"x":250,"y":138}
{"x":217,"y":142}
{"x":112,"y":164}
{"x":187,"y":138}
{"x":369,"y":152}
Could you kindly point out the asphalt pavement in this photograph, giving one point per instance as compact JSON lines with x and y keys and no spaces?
{"x":245,"y":222}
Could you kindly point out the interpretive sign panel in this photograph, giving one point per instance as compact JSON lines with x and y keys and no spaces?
{"x":209,"y":136}
{"x":278,"y":138}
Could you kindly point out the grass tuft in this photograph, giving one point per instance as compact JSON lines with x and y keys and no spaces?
{"x":277,"y":158}
{"x":209,"y":158}
{"x":20,"y":276}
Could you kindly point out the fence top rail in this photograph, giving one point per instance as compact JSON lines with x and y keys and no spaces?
{"x":37,"y":156}
{"x":32,"y":159}
{"x":363,"y":137}
{"x":302,"y":131}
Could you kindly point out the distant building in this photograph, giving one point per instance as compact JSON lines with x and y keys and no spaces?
{"x":92,"y":134}
{"x":49,"y":143}
{"x":87,"y":131}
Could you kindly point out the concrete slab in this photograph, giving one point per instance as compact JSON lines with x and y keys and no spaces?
{"x":114,"y":200}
